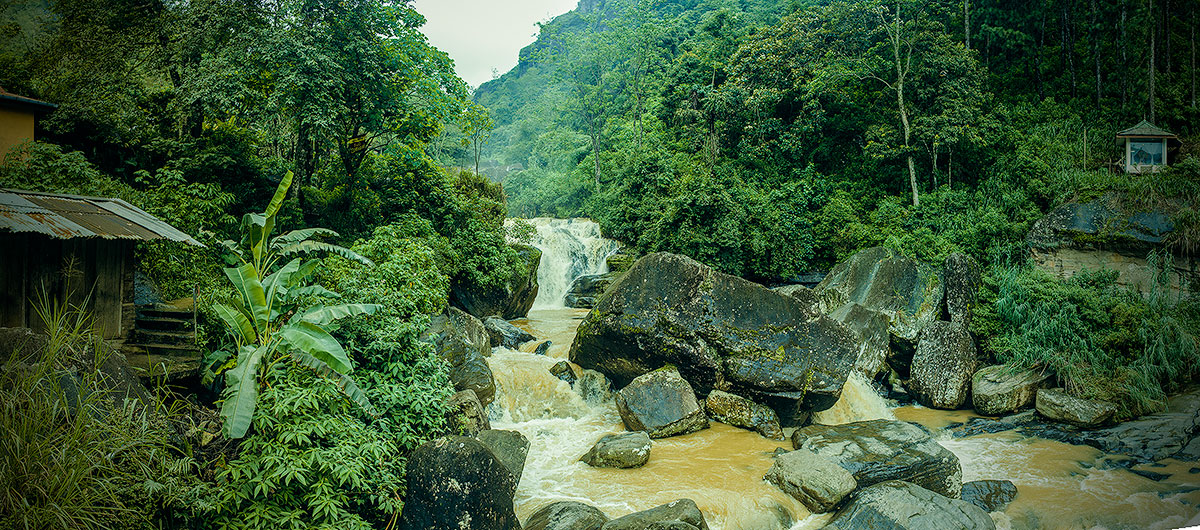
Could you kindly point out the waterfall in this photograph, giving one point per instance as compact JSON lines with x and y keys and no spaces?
{"x":859,"y":402}
{"x":570,"y":248}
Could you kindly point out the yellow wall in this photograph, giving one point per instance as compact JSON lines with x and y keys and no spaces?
{"x":16,"y":127}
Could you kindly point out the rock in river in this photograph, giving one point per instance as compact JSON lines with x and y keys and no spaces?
{"x":989,"y":495}
{"x":997,"y":390}
{"x":510,"y":300}
{"x":817,"y":482}
{"x":899,"y":505}
{"x":456,"y":483}
{"x":741,"y":412}
{"x":682,"y":510}
{"x":720,"y":331}
{"x":943,"y":366}
{"x":511,"y":447}
{"x":566,"y":515}
{"x":1087,"y":413}
{"x":502,"y":333}
{"x":464,"y":414}
{"x":622,"y":450}
{"x":587,"y":288}
{"x":661,"y":403}
{"x":879,"y":450}
{"x":463,"y":342}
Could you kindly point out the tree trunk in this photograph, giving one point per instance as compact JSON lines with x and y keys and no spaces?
{"x":1069,"y":47}
{"x":901,"y":73}
{"x":1094,"y":32}
{"x":1124,"y":59}
{"x":1195,"y":21}
{"x":1150,"y":74}
{"x":1040,"y":48}
{"x":596,"y":153}
{"x":967,"y":22}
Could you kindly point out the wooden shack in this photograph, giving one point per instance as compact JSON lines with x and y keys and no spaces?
{"x":1145,"y":147}
{"x":75,"y":248}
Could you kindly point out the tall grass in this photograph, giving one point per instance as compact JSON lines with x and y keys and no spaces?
{"x":73,"y":456}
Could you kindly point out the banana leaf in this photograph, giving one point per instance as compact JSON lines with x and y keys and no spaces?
{"x":304,"y":247}
{"x":322,"y":315}
{"x":241,"y":390}
{"x":238,"y":325}
{"x":344,"y":382}
{"x":311,"y":339}
{"x":245,"y":280}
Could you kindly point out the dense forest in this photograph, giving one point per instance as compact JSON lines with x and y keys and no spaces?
{"x":767,"y":139}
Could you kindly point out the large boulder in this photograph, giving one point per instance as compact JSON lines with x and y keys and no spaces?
{"x":1156,"y":436}
{"x":456,"y":483}
{"x":502,"y":333}
{"x":465,"y":414}
{"x":961,"y":275}
{"x":871,"y":328}
{"x":997,"y":390}
{"x":566,"y":515}
{"x":463,"y":342}
{"x":511,"y":447}
{"x":512,"y":299}
{"x":661,"y":403}
{"x":989,"y":495}
{"x":738,"y":411}
{"x":817,"y":482}
{"x":682,"y":510}
{"x":879,"y":450}
{"x":899,"y":505}
{"x":587,"y":288}
{"x":622,"y":450}
{"x":883,"y":280}
{"x":942,"y":368}
{"x":720,"y":331}
{"x":1059,"y":406}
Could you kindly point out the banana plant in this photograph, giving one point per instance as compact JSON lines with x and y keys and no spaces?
{"x":269,"y":319}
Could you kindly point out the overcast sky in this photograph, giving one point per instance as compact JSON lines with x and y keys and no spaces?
{"x":481,"y":35}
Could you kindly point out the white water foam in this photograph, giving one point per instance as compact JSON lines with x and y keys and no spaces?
{"x":570,"y":248}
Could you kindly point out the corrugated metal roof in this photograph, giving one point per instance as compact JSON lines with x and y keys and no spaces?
{"x":1145,"y":128}
{"x":70,"y":216}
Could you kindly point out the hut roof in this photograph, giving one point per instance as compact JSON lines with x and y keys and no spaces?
{"x":1145,"y":129}
{"x":10,"y":100}
{"x":70,"y":216}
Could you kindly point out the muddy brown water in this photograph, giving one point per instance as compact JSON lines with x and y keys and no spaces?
{"x":1060,"y":486}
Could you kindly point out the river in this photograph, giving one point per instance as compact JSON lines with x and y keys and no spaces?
{"x":1060,"y":486}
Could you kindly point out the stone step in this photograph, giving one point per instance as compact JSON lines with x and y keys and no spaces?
{"x":175,"y":338}
{"x":164,"y":323}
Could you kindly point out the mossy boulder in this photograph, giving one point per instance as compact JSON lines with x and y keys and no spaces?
{"x":997,"y":390}
{"x":1057,"y":405}
{"x":738,"y":411}
{"x":720,"y":331}
{"x":566,"y":515}
{"x":621,"y":450}
{"x":669,"y":515}
{"x":962,"y":276}
{"x":463,"y":342}
{"x":457,"y":483}
{"x":509,"y":300}
{"x":899,"y":505}
{"x":587,"y":288}
{"x":502,"y":333}
{"x":817,"y":482}
{"x":661,"y":403}
{"x":942,"y":368}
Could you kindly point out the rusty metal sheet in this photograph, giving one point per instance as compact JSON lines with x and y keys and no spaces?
{"x":70,"y":216}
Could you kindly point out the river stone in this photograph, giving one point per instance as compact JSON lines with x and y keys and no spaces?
{"x":623,"y":450}
{"x":1156,"y":436}
{"x":456,"y":483}
{"x":566,"y":515}
{"x":562,"y":370}
{"x":997,"y":390}
{"x":542,"y":348}
{"x":943,"y":366}
{"x":738,"y":411}
{"x":503,"y":333}
{"x":587,"y":288}
{"x":871,"y":329}
{"x":465,"y":415}
{"x":962,"y":277}
{"x":879,"y":450}
{"x":989,"y":495}
{"x":883,"y":280}
{"x":1087,"y":413}
{"x":594,"y":387}
{"x":670,"y":525}
{"x":899,"y":505}
{"x":817,"y":482}
{"x":511,"y":447}
{"x":510,"y":300}
{"x":463,"y":342}
{"x":682,"y":510}
{"x":661,"y":403}
{"x":720,"y":331}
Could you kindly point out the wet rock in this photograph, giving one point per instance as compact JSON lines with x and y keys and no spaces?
{"x":463,"y":342}
{"x":720,"y":331}
{"x":883,"y":280}
{"x":741,"y":412}
{"x":503,"y":333}
{"x":620,"y":261}
{"x":899,"y":505}
{"x":1057,"y":405}
{"x":566,"y":515}
{"x":465,"y":415}
{"x":1153,"y":437}
{"x":661,"y":403}
{"x":817,"y":482}
{"x":682,"y":510}
{"x":961,"y":276}
{"x":880,"y":450}
{"x":871,"y":328}
{"x":997,"y":390}
{"x":1157,"y":477}
{"x":977,"y":426}
{"x":943,"y":366}
{"x":562,"y":370}
{"x":623,"y":450}
{"x":587,"y":288}
{"x":670,"y":525}
{"x":989,"y":495}
{"x":542,"y":348}
{"x":510,"y":300}
{"x":1135,"y":233}
{"x":594,"y":387}
{"x":456,"y":483}
{"x":511,"y":447}
{"x":802,"y":294}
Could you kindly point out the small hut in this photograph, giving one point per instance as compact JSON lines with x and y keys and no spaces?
{"x":1146,"y":148}
{"x":17,"y":117}
{"x":75,"y":248}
